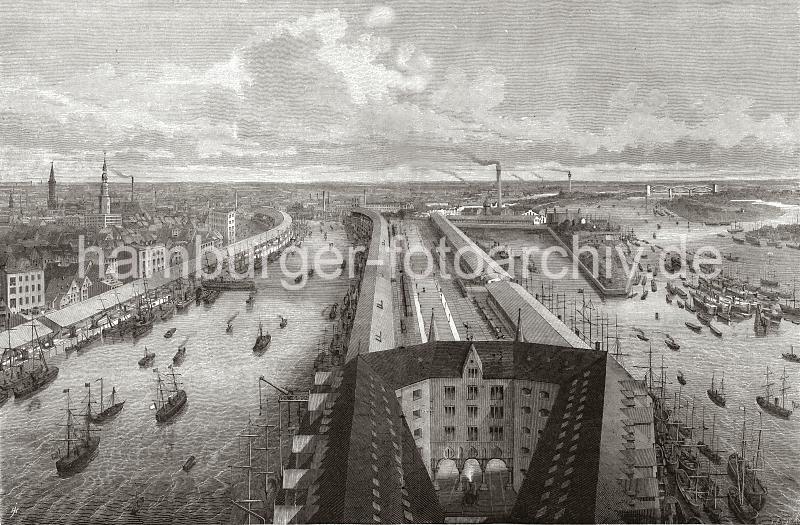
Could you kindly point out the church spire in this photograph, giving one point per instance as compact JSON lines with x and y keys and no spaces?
{"x":518,"y":337}
{"x":52,"y":199}
{"x":105,"y":170}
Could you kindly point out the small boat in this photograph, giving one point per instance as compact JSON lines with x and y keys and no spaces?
{"x":668,"y":298}
{"x":681,"y":378}
{"x":80,"y":445}
{"x":284,"y":322}
{"x":311,"y":271}
{"x":107,"y":410}
{"x":731,"y":257}
{"x":693,"y":326}
{"x":680,"y":304}
{"x":791,"y":356}
{"x":298,"y":279}
{"x":189,"y":464}
{"x":644,"y":295}
{"x":653,"y":286}
{"x":251,"y":299}
{"x":334,"y":309}
{"x":262,"y":340}
{"x":672,"y":344}
{"x":179,"y":355}
{"x":229,"y":328}
{"x":147,"y":359}
{"x":714,"y":330}
{"x":690,"y":306}
{"x":170,"y":333}
{"x":642,"y":337}
{"x":777,"y":407}
{"x":169,"y":399}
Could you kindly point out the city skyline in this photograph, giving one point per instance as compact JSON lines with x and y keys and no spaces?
{"x":320,"y":91}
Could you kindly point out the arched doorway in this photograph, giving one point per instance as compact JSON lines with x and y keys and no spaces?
{"x":497,"y":477}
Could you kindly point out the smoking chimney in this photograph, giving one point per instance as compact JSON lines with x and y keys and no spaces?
{"x":499,"y":179}
{"x":131,"y":188}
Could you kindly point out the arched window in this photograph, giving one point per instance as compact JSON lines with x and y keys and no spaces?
{"x":526,"y":410}
{"x":448,"y":453}
{"x":544,"y":412}
{"x":544,"y":394}
{"x":526,"y":391}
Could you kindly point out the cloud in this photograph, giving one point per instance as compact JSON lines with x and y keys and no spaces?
{"x":379,"y":16}
{"x":463,"y":95}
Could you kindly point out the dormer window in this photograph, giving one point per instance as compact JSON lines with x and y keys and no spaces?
{"x":473,"y":373}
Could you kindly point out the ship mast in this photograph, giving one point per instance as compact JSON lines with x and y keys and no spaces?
{"x":766,"y":386}
{"x":784,"y":388}
{"x":101,"y":394}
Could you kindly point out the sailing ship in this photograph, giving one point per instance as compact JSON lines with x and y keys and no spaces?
{"x":147,"y":359}
{"x":736,"y":227}
{"x":717,"y":396}
{"x":737,"y":503}
{"x":170,"y":399}
{"x":703,"y":447}
{"x":107,"y":409}
{"x":768,"y":278}
{"x":262,"y":340}
{"x":778,"y":407}
{"x":145,"y":318}
{"x":37,"y":379}
{"x":745,"y":475}
{"x":791,"y":356}
{"x":222,"y":283}
{"x":81,"y":445}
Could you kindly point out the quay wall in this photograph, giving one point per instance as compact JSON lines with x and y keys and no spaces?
{"x":263,"y":244}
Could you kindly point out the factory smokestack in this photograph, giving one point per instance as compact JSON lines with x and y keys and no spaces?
{"x":120,"y":174}
{"x":131,"y":188}
{"x":496,"y":165}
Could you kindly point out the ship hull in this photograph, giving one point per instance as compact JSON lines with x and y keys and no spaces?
{"x":772,"y":408}
{"x":75,"y":463}
{"x":744,"y":514}
{"x":716,"y":398}
{"x":108,"y":413}
{"x":34,"y":384}
{"x":754,"y":491}
{"x":262,"y":343}
{"x":171,"y":408}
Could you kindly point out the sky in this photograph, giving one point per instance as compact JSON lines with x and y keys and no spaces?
{"x":288,"y":90}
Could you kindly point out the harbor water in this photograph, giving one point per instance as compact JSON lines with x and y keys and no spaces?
{"x":742,"y":356}
{"x":137,"y":457}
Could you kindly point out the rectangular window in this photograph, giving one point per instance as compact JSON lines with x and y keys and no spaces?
{"x":472,"y":411}
{"x":449,"y":433}
{"x":496,"y":412}
{"x":496,"y":393}
{"x":472,"y":392}
{"x":496,"y":433}
{"x":416,"y":394}
{"x":472,"y":433}
{"x":472,"y":373}
{"x":449,"y":392}
{"x":417,"y":432}
{"x":417,"y":414}
{"x":450,"y":411}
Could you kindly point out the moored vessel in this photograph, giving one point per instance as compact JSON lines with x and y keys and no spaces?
{"x":147,"y":358}
{"x":717,"y":396}
{"x":776,"y":407}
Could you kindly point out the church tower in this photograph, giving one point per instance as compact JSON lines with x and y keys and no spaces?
{"x":105,"y":200}
{"x":52,"y":200}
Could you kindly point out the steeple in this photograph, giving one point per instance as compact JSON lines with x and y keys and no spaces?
{"x":518,"y":337}
{"x":433,"y":334}
{"x":105,"y":170}
{"x":105,"y":199}
{"x":52,"y":200}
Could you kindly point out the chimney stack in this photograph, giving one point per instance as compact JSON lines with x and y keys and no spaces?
{"x":365,"y":197}
{"x":131,"y":188}
{"x":499,"y":190}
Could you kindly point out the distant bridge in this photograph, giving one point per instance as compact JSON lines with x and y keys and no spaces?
{"x":664,"y":191}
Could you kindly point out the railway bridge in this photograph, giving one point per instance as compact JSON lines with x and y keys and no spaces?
{"x":669,"y":192}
